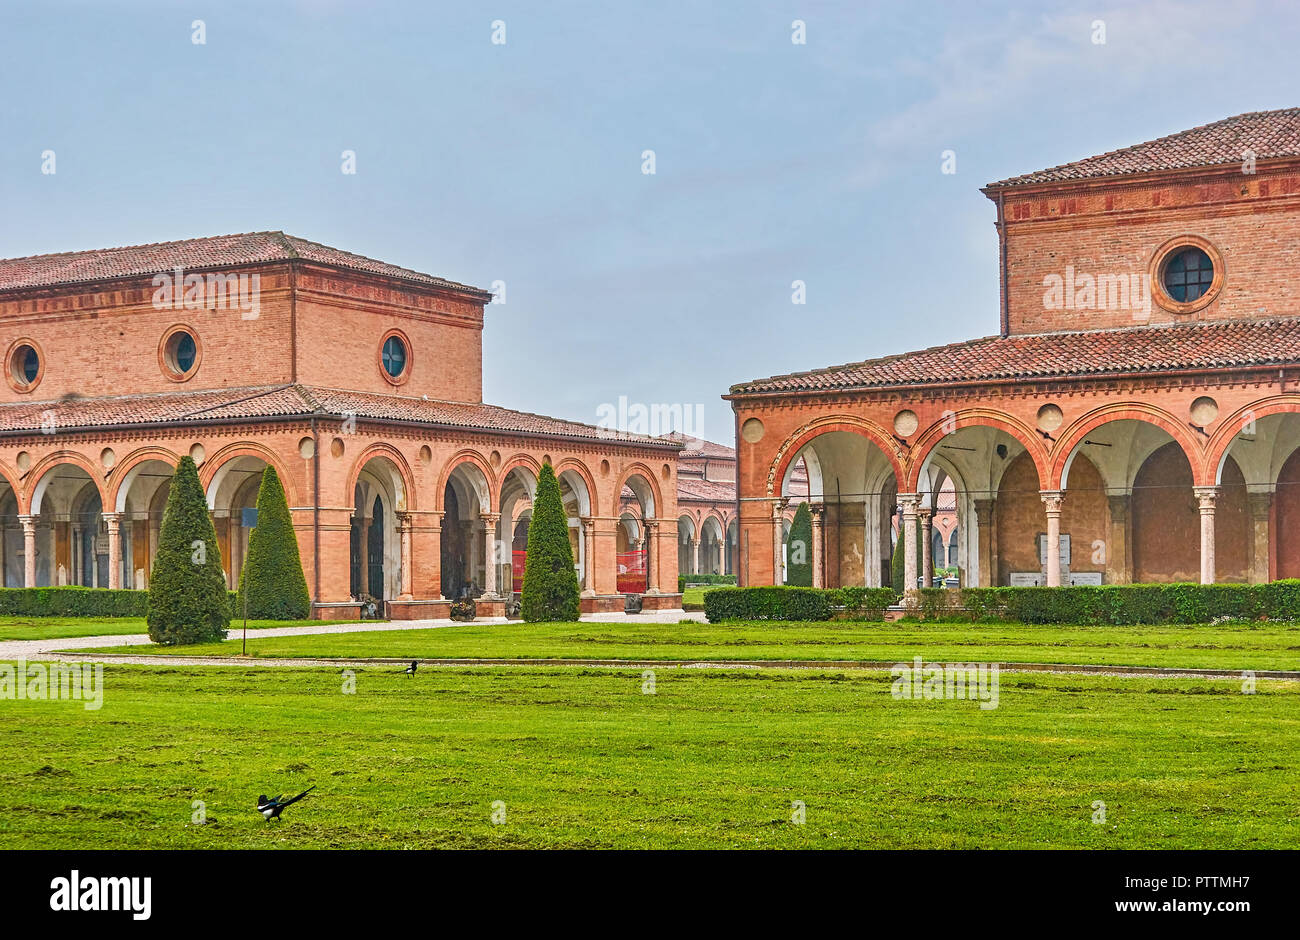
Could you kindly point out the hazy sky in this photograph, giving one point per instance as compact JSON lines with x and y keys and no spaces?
{"x":522,"y":162}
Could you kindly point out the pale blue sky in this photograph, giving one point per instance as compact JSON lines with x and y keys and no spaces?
{"x":522,"y":162}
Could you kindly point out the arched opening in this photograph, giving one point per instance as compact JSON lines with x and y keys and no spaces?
{"x":141,"y":502}
{"x":232,"y":497}
{"x":1021,"y":526}
{"x":11,"y":537}
{"x":72,"y":544}
{"x":1264,"y":450}
{"x":733,"y":546}
{"x":465,"y":533}
{"x":518,"y":489}
{"x":849,"y":480}
{"x":686,"y":545}
{"x":635,"y":556}
{"x":630,"y":555}
{"x":1285,"y":540}
{"x":378,"y":496}
{"x":711,"y":561}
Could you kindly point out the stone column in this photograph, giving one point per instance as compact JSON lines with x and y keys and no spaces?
{"x":114,"y":522}
{"x":490,"y":520}
{"x":778,"y":540}
{"x":1257,"y":541}
{"x":589,"y":555}
{"x":29,"y":550}
{"x":695,"y":556}
{"x":1052,"y":500}
{"x":1119,"y":567}
{"x":984,"y":525}
{"x":1205,"y":500}
{"x":408,"y":573}
{"x":652,"y":556}
{"x":927,"y":562}
{"x":818,"y":545}
{"x":907,"y":532}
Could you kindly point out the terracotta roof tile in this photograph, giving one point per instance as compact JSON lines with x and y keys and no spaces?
{"x":698,"y":447}
{"x":705,"y":491}
{"x":236,"y":404}
{"x":196,"y":254}
{"x":1210,"y":345}
{"x":1268,"y":134}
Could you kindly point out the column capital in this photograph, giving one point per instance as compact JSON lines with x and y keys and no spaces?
{"x":1259,"y":503}
{"x":27,"y":520}
{"x":1052,"y":500}
{"x":1205,"y":497}
{"x":778,"y":507}
{"x":490,"y":516}
{"x":910,"y":503}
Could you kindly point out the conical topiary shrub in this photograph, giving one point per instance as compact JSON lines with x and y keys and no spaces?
{"x":550,"y":589}
{"x":187,"y":590}
{"x":272,"y":580}
{"x":798,"y":549}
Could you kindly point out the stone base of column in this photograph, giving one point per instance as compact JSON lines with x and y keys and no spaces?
{"x":411,"y":609}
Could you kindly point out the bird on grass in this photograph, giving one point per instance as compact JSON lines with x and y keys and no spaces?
{"x":410,"y":670}
{"x":272,"y":808}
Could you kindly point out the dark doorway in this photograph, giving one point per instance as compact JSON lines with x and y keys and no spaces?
{"x":375,"y":551}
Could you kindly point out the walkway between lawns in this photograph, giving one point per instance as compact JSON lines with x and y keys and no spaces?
{"x":67,"y":648}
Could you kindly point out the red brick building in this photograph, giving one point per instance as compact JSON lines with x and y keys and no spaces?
{"x":360,"y":381}
{"x":1139,"y":406}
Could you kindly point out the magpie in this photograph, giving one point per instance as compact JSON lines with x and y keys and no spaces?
{"x":410,"y":670}
{"x":272,"y":808}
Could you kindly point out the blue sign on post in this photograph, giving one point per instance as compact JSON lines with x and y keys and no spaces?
{"x":249,"y":520}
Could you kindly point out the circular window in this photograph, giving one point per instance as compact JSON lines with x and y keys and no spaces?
{"x":179,"y":353}
{"x":1188,"y":274}
{"x":25,"y":365}
{"x":394,"y":356}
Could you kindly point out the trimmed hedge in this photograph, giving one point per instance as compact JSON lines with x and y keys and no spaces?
{"x":550,"y":591}
{"x":188,"y":600}
{"x":796,"y":603}
{"x":272,"y":577}
{"x":1117,"y":604}
{"x":684,"y":579}
{"x":74,"y":601}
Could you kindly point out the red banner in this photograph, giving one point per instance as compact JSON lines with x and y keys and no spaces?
{"x":631,"y":572}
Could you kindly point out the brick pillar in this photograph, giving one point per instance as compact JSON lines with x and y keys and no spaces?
{"x":114,"y":521}
{"x":908,"y":534}
{"x":652,"y":556}
{"x":984,"y":522}
{"x":1052,"y":503}
{"x":29,"y":550}
{"x":1261,"y":505}
{"x":778,"y":540}
{"x":927,"y":562}
{"x":818,"y":545}
{"x":1119,"y":561}
{"x":1205,"y":500}
{"x":490,"y":560}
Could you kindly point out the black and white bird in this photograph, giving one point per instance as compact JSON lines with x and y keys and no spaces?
{"x":410,"y":670}
{"x":272,"y":808}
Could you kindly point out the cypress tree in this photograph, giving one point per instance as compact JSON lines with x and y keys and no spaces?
{"x":272,"y":579}
{"x":188,"y":602}
{"x":896,"y":563}
{"x":550,"y":589}
{"x":799,"y":546}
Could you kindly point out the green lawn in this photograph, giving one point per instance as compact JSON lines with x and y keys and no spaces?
{"x":47,"y":628}
{"x":1257,"y":647}
{"x":582,"y":758}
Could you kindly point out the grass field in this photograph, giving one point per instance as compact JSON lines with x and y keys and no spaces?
{"x":1264,"y":646}
{"x":49,"y":628}
{"x":582,"y":758}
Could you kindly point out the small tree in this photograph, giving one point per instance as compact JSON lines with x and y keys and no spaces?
{"x":896,"y":563}
{"x":798,"y":545}
{"x":550,"y":584}
{"x":272,"y":579}
{"x":188,"y":602}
